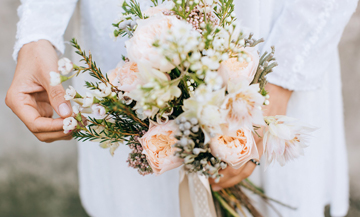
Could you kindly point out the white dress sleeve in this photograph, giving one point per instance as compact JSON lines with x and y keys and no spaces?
{"x":306,"y":36}
{"x":43,"y":19}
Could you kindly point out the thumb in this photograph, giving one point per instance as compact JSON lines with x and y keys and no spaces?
{"x":56,"y":96}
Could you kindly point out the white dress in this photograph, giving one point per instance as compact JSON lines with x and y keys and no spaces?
{"x":305,"y":33}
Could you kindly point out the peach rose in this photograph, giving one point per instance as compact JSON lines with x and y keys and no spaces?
{"x":140,"y":47}
{"x":234,"y":70}
{"x":125,"y":76}
{"x":234,"y":147}
{"x":157,"y":144}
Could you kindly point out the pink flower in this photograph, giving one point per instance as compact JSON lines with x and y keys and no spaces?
{"x":234,"y":70}
{"x":285,"y":139}
{"x":242,"y":106}
{"x":125,"y":76}
{"x":234,"y":147}
{"x":158,"y":146}
{"x":140,"y":47}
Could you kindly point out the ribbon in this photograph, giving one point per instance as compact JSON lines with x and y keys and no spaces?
{"x":195,"y":196}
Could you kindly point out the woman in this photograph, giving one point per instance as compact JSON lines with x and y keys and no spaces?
{"x":306,"y":85}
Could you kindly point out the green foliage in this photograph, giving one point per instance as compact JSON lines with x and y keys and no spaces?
{"x":132,"y":8}
{"x":93,"y":70}
{"x":223,"y":10}
{"x":266,"y":65}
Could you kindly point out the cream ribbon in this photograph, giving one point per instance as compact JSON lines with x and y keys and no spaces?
{"x":195,"y":196}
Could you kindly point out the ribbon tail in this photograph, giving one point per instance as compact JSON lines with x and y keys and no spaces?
{"x":195,"y":196}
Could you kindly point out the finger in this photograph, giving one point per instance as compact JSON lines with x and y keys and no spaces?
{"x":41,"y":96}
{"x":227,"y":173}
{"x":53,"y":136}
{"x":45,"y":109}
{"x":26,"y":110}
{"x":245,"y":173}
{"x":56,"y":96}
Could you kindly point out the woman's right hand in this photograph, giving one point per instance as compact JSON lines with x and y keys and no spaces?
{"x":31,"y":97}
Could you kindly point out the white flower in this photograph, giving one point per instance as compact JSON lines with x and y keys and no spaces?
{"x":70,"y":93}
{"x":208,"y":112}
{"x":203,"y":93}
{"x":88,"y":100}
{"x":180,"y":41}
{"x":55,"y":78}
{"x":76,"y":109}
{"x":65,"y":66}
{"x":243,"y":105}
{"x":211,"y":60}
{"x":69,"y":124}
{"x":213,"y":80}
{"x":98,"y":110}
{"x":285,"y":139}
{"x":103,"y":91}
{"x":111,"y":145}
{"x":227,"y":36}
{"x":157,"y":91}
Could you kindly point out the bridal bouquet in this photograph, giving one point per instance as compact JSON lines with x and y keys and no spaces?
{"x":189,"y":92}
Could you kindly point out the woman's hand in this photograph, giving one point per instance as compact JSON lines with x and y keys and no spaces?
{"x":279,"y":98}
{"x":31,"y":97}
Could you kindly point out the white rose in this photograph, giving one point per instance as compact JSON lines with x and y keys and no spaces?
{"x":140,"y":47}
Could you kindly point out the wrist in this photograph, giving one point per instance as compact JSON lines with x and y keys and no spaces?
{"x":279,"y":98}
{"x":38,"y":55}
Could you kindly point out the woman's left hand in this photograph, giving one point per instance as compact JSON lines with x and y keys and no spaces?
{"x":278,"y":105}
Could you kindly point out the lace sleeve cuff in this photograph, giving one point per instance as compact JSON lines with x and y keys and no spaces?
{"x":57,"y":43}
{"x":43,"y":19}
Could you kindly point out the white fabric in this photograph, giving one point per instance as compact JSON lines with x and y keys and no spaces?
{"x":305,"y":33}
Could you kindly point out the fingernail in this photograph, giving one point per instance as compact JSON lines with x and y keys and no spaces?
{"x":216,"y":188}
{"x":64,"y":109}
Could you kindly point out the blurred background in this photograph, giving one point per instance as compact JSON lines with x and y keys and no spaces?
{"x":39,"y":179}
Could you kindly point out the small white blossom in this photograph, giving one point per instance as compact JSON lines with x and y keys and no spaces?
{"x":208,"y":112}
{"x":98,"y":110}
{"x":76,"y":109}
{"x":88,"y":100}
{"x":55,"y":78}
{"x":70,"y":93}
{"x":203,"y":93}
{"x":69,"y":124}
{"x":213,"y":80}
{"x":103,"y":91}
{"x":65,"y":66}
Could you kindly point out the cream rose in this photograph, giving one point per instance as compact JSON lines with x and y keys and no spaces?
{"x":234,"y":147}
{"x":125,"y":76}
{"x":166,"y":7}
{"x":140,"y":47}
{"x":234,"y":70}
{"x":158,"y":146}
